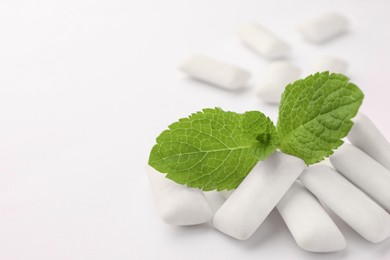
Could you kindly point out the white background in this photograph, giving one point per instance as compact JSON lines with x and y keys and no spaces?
{"x":86,"y":86}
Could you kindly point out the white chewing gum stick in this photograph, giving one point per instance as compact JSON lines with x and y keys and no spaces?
{"x":348,"y":202}
{"x":309,"y":223}
{"x":277,"y":76}
{"x":324,"y":27}
{"x":331,"y":64}
{"x":366,"y":136}
{"x":215,"y":72}
{"x":263,"y":42}
{"x":364,"y":172}
{"x":177,"y":204}
{"x":249,"y":205}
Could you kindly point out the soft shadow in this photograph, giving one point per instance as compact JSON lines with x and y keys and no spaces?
{"x":269,"y":229}
{"x":215,"y":200}
{"x":273,"y":230}
{"x":198,"y":83}
{"x":188,"y":233}
{"x":383,"y":251}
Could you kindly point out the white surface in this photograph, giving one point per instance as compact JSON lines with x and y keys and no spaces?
{"x":86,"y":86}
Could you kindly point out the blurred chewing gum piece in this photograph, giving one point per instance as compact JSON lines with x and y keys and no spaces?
{"x":331,"y":64}
{"x":263,"y":42}
{"x":215,"y":72}
{"x":324,"y":27}
{"x":277,"y":76}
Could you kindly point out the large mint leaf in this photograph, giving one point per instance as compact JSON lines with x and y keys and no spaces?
{"x":315,"y":114}
{"x":214,"y":149}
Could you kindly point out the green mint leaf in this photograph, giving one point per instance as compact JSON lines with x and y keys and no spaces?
{"x":315,"y":114}
{"x":214,"y":149}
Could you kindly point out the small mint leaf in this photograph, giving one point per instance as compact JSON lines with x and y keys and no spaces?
{"x":214,"y":149}
{"x":315,"y":114}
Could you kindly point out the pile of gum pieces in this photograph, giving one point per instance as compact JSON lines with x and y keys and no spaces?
{"x":354,"y":183}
